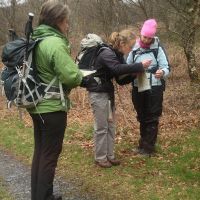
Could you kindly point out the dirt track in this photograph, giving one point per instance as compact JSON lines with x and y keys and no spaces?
{"x":17,"y":179}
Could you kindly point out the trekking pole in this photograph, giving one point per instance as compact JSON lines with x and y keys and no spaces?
{"x":28,"y":31}
{"x":11,"y":34}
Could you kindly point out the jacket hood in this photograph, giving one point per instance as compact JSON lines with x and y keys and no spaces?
{"x":43,"y":31}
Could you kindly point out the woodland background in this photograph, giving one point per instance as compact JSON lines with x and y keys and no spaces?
{"x":174,"y":173}
{"x":179,"y":31}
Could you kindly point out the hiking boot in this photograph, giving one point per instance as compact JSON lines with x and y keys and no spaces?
{"x":141,"y":151}
{"x":114,"y":162}
{"x":103,"y":164}
{"x":54,"y":197}
{"x":138,"y":150}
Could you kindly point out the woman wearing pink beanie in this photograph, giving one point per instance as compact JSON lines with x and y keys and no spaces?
{"x":148,"y":101}
{"x":149,"y":28}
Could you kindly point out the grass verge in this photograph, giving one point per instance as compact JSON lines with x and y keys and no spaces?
{"x":4,"y":195}
{"x":174,"y":174}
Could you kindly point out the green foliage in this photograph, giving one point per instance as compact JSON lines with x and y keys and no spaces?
{"x":81,"y":132}
{"x":4,"y":195}
{"x":186,"y":164}
{"x":15,"y":136}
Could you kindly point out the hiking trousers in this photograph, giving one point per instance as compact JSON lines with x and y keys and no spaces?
{"x":148,"y":105}
{"x":104,"y":125}
{"x":48,"y":138}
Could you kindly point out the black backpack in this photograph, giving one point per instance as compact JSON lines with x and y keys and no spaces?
{"x":20,"y":86}
{"x":86,"y":57}
{"x":91,"y":46}
{"x":19,"y":78}
{"x":155,"y":53}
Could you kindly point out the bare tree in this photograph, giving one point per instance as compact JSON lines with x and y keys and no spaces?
{"x":8,"y":9}
{"x":143,"y":8}
{"x":184,"y":21}
{"x":182,"y":18}
{"x":8,"y":14}
{"x":100,"y":16}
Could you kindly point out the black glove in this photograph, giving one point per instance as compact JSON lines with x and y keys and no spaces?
{"x":88,"y":81}
{"x":83,"y":82}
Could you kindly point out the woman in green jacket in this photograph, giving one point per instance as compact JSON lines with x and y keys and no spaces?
{"x":50,"y":116}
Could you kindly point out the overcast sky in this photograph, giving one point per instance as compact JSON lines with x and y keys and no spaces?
{"x":7,"y":2}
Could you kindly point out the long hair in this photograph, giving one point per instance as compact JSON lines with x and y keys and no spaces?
{"x":53,"y":12}
{"x":124,"y":36}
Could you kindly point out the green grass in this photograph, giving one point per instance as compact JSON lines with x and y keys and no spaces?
{"x":4,"y":195}
{"x":17,"y":138}
{"x":172,"y":175}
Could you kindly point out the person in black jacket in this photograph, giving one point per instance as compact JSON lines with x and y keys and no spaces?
{"x":110,"y":63}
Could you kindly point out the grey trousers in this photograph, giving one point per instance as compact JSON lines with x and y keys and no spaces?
{"x":104,"y":126}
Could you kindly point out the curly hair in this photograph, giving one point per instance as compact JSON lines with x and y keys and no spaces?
{"x":124,"y":36}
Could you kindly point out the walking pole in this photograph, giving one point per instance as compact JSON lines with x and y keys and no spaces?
{"x":28,"y":31}
{"x":12,"y":34}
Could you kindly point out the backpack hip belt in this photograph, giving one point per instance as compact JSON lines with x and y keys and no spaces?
{"x":54,"y":92}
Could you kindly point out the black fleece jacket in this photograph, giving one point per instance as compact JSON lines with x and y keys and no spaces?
{"x":110,"y":63}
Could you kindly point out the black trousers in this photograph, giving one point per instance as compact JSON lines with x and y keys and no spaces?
{"x":148,"y":105}
{"x":48,"y":137}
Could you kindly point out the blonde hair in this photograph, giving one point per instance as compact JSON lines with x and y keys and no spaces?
{"x":53,"y":12}
{"x":124,"y":36}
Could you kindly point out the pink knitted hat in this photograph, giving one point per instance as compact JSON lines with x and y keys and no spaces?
{"x":149,"y":28}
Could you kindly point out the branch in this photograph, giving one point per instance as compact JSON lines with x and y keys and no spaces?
{"x":197,"y":14}
{"x":180,"y":11}
{"x":176,"y":33}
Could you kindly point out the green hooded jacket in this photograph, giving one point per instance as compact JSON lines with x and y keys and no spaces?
{"x":52,"y":59}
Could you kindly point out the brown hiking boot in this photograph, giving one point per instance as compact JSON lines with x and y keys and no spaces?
{"x":104,"y":164}
{"x":114,"y":162}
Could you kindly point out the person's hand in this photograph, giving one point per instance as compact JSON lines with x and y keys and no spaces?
{"x":146,"y":63}
{"x":159,"y":73}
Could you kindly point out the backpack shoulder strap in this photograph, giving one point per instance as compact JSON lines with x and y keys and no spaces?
{"x":134,"y":53}
{"x":164,"y":50}
{"x":140,"y":52}
{"x":155,"y":52}
{"x":101,"y":48}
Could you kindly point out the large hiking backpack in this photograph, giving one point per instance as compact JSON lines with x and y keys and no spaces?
{"x":91,"y":46}
{"x":155,"y":53}
{"x":19,"y":78}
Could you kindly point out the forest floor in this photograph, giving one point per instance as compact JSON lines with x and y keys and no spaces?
{"x":173,"y":174}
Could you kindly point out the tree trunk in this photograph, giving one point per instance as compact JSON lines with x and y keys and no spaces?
{"x":13,"y":20}
{"x":189,"y":41}
{"x":188,"y":45}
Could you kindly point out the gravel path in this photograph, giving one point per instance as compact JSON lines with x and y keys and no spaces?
{"x":17,"y":178}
